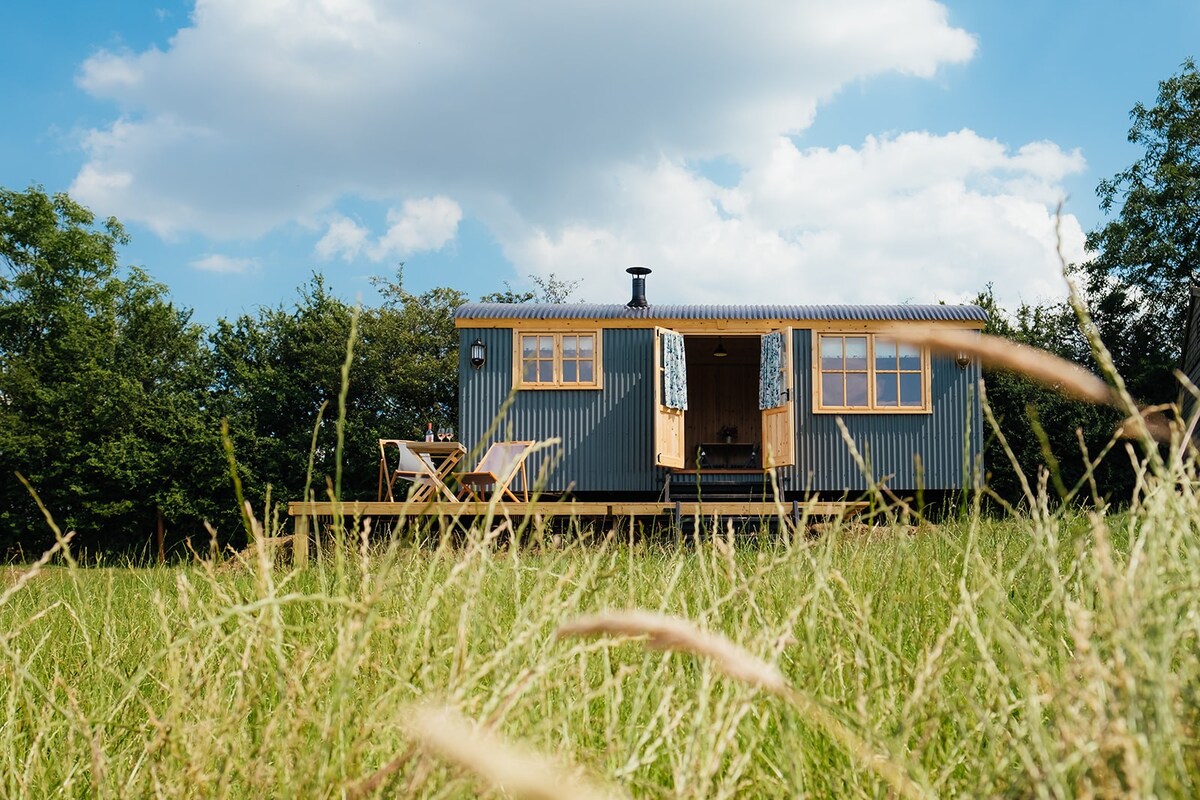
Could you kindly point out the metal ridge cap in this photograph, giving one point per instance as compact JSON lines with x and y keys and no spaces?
{"x":899,"y":312}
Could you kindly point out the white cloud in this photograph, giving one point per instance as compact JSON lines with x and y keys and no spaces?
{"x":107,"y":72}
{"x":344,"y":238}
{"x":425,"y":224}
{"x":428,"y":223}
{"x":566,"y":129}
{"x":259,"y":114}
{"x":917,"y":217}
{"x":215,"y":262}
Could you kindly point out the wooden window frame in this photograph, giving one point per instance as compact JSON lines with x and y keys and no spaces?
{"x":819,"y":406}
{"x":557,"y":381}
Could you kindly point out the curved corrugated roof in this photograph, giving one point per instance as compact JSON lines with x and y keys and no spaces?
{"x":886,"y":313}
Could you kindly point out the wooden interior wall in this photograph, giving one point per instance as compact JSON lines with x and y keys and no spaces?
{"x":721,"y":391}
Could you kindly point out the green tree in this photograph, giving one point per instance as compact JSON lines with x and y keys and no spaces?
{"x":274,"y":372}
{"x":102,"y":385}
{"x":1148,"y":254}
{"x":411,"y":356}
{"x":1040,"y":425}
{"x":551,"y":289}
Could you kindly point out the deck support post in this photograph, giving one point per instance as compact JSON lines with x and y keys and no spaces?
{"x":300,"y":541}
{"x":677,"y":523}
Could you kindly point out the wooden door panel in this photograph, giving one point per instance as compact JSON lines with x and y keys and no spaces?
{"x":668,"y":422}
{"x":779,"y":424}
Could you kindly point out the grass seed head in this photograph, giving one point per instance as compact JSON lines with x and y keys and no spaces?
{"x":516,"y":770}
{"x":994,"y":351}
{"x":671,"y":633}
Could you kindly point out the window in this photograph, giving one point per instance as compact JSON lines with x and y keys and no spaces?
{"x":869,"y":372}
{"x":558,"y":360}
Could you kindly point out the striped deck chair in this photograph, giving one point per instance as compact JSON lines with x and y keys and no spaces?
{"x":495,"y":472}
{"x":417,"y":469}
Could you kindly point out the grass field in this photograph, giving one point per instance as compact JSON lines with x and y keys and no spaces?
{"x":1046,"y":655}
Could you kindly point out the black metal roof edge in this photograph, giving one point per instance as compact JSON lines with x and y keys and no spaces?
{"x":899,"y":312}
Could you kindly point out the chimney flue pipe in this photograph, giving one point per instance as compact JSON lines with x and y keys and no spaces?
{"x":639,"y":286}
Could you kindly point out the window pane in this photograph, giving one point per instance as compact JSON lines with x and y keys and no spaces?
{"x":910,"y":389}
{"x":586,"y":374}
{"x":545,"y":371}
{"x":885,"y":354}
{"x":856,"y":389}
{"x":856,"y":353}
{"x":910,"y":357}
{"x":585,"y":345}
{"x":831,"y":352}
{"x":569,"y":372}
{"x":545,"y":347}
{"x":885,"y":389}
{"x":528,"y":346}
{"x":831,"y":389}
{"x":569,"y":348}
{"x":529,"y":371}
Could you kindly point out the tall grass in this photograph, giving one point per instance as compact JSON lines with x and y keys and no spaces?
{"x":1054,"y":653}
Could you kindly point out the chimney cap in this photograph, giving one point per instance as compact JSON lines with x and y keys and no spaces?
{"x":639,"y":270}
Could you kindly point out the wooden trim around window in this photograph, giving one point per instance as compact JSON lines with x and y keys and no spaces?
{"x":818,"y":406}
{"x":558,"y":382}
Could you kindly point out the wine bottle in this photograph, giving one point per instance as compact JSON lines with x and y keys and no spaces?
{"x":429,"y":433}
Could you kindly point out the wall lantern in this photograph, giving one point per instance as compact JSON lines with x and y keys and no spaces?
{"x":478,"y":353}
{"x":720,"y":352}
{"x":963,"y":359}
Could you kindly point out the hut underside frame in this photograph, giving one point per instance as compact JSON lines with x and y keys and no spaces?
{"x":307,"y":515}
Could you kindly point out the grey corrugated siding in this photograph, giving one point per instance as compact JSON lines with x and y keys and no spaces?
{"x":889,"y":441}
{"x":897,"y":313}
{"x":606,"y":435}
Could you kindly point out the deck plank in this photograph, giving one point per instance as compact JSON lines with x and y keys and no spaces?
{"x":371,"y":508}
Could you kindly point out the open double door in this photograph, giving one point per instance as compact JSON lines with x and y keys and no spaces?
{"x":778,"y":420}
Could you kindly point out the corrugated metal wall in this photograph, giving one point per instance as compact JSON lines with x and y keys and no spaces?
{"x":889,"y":441}
{"x":606,"y":435}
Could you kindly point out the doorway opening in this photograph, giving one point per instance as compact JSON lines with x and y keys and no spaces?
{"x":722,"y":429}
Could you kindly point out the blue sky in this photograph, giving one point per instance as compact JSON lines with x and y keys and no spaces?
{"x":802,"y":151}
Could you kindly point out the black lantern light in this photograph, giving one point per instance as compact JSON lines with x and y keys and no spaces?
{"x":963,"y":359}
{"x":478,"y":353}
{"x":720,"y":352}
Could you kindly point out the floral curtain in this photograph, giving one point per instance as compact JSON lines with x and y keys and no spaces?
{"x":770,"y":372}
{"x":674,"y":364}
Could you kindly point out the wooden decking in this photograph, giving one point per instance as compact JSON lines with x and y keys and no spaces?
{"x":305,"y":512}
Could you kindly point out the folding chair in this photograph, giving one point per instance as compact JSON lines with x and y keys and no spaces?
{"x":498,"y":467}
{"x":419,"y":469}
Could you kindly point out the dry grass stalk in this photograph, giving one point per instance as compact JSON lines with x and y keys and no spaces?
{"x":671,"y":633}
{"x":1155,"y":421}
{"x":994,"y":351}
{"x":678,"y":635}
{"x":31,"y":573}
{"x":375,"y":780}
{"x":517,"y":771}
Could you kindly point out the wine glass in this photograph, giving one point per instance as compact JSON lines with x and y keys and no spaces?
{"x":449,"y":434}
{"x":441,"y":435}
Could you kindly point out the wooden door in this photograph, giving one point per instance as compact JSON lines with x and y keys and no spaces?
{"x":779,"y":421}
{"x":668,"y":422}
